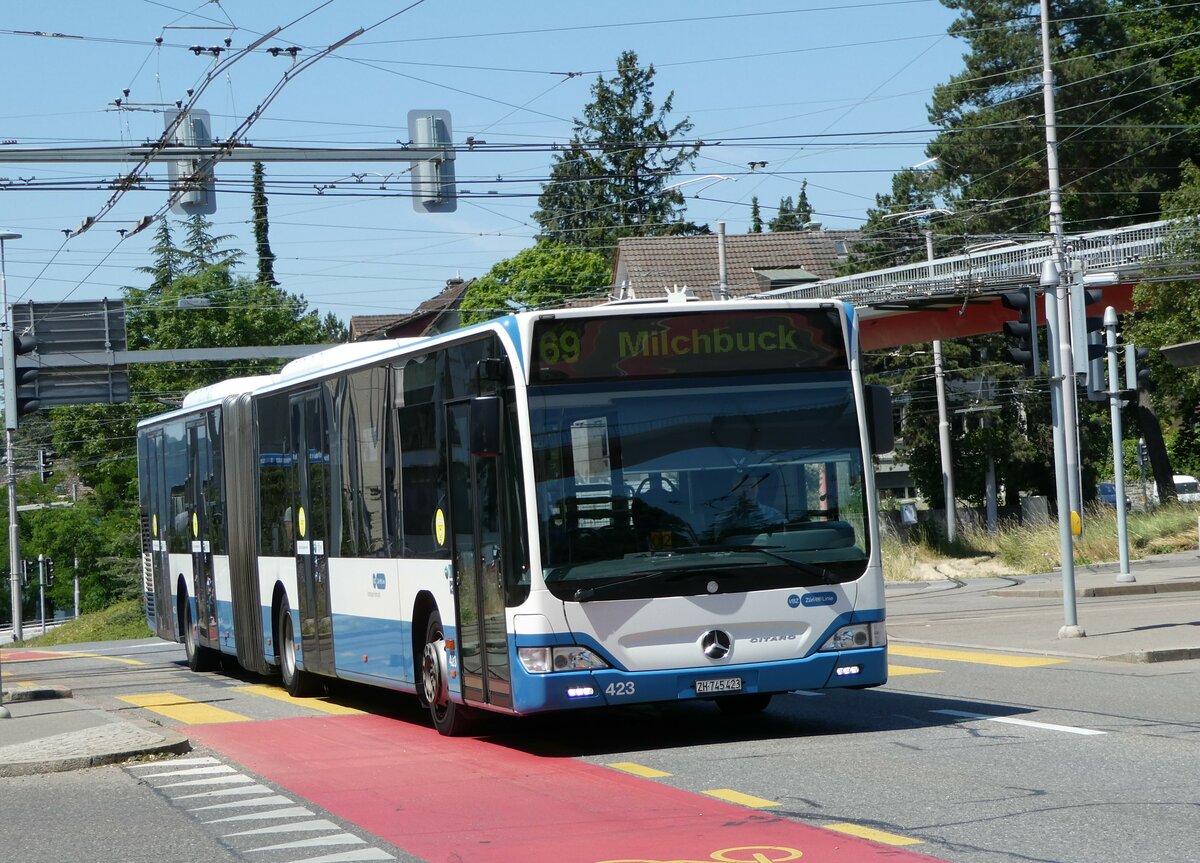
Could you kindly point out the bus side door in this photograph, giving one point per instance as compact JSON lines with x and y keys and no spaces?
{"x":311,"y":456}
{"x":158,"y":511}
{"x":199,"y":449}
{"x":475,"y":518}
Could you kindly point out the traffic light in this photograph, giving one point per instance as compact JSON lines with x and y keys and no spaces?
{"x":1137,"y":373}
{"x":20,"y":378}
{"x":49,"y":572}
{"x":45,"y":462}
{"x":1082,"y":326}
{"x":1023,"y":329}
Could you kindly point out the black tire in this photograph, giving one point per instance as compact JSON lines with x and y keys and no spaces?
{"x":744,"y":705}
{"x":199,"y":657}
{"x":450,"y":719}
{"x":297,"y":682}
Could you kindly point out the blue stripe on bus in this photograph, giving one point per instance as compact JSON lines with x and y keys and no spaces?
{"x":534,"y":692}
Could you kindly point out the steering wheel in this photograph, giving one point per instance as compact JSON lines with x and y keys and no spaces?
{"x":645,"y":485}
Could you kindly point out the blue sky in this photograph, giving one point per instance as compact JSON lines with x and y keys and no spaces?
{"x":798,"y":84}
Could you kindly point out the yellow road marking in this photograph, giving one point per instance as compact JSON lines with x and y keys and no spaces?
{"x":901,"y":670}
{"x":324,"y":705}
{"x":183,"y":709}
{"x":46,"y":655}
{"x":872,"y":834}
{"x":740,"y":798}
{"x":639,"y":770}
{"x":975,"y":656}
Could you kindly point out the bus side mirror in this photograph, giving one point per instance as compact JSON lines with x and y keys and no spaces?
{"x":879,"y":419}
{"x":484,"y":418}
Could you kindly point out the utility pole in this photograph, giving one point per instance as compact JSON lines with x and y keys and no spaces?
{"x":10,"y":426}
{"x":1114,"y":407}
{"x":1065,"y":428}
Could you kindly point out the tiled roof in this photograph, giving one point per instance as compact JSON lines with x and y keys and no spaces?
{"x":367,"y":327}
{"x":650,"y":265}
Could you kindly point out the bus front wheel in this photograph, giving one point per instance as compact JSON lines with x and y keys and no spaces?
{"x":450,"y":719}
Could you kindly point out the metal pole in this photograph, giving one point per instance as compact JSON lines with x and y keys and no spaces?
{"x":722,"y":267}
{"x":943,"y":423}
{"x":76,"y":587}
{"x":1114,"y":407}
{"x":10,"y":422}
{"x":1065,"y":430}
{"x":42,"y":591}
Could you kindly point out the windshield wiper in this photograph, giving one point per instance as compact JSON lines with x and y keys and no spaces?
{"x":585,"y":593}
{"x":809,"y":568}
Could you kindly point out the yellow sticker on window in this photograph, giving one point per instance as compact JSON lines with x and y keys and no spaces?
{"x":154,"y":525}
{"x":301,"y":522}
{"x":196,"y":525}
{"x":439,"y":527}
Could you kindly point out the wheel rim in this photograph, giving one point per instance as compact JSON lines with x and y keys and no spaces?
{"x":289,"y":649}
{"x":431,"y":674}
{"x":189,"y":633}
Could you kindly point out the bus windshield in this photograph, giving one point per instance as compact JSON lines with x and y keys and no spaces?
{"x":687,"y":485}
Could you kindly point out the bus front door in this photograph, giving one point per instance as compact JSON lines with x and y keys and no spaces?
{"x":310,"y":451}
{"x":478,"y":563}
{"x":158,"y":513}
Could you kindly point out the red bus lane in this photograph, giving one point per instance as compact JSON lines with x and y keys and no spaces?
{"x":464,"y":799}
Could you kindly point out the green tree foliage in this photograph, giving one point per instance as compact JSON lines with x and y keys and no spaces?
{"x":612,"y":180}
{"x":226,"y":311}
{"x":1115,"y":151}
{"x":547,"y":274}
{"x":262,"y":242}
{"x":1168,"y":313}
{"x":756,"y":222}
{"x":793,"y":216}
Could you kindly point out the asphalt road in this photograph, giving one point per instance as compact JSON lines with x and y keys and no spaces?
{"x":970,"y":756}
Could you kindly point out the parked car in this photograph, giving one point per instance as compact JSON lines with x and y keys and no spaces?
{"x":1186,"y":488}
{"x":1106,"y":493}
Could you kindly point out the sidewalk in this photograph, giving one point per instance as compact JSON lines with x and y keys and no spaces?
{"x":49,"y":731}
{"x":1153,"y":619}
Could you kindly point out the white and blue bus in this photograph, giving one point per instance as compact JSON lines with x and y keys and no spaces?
{"x":627,"y":503}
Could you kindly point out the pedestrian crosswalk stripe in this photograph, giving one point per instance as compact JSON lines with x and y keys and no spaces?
{"x":182,"y":709}
{"x":324,"y":705}
{"x":976,"y":656}
{"x":901,"y":670}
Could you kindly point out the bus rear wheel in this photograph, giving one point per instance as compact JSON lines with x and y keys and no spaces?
{"x":450,"y":719}
{"x":297,"y":682}
{"x":199,"y":657}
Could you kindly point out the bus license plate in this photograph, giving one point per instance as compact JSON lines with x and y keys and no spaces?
{"x":721,"y":684}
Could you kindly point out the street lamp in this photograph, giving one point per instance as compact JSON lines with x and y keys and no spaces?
{"x":14,"y":531}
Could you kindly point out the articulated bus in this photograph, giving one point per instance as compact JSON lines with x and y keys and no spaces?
{"x":635,"y":502}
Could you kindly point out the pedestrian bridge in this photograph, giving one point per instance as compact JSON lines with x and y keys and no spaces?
{"x":955,"y":297}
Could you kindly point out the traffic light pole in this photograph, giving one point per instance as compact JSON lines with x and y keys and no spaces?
{"x":1114,"y":406}
{"x":1065,"y":428}
{"x":10,"y":425}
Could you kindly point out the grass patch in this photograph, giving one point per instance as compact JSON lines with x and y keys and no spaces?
{"x":126,"y":619}
{"x":1035,"y":548}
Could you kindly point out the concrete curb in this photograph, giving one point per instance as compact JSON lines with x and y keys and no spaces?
{"x":35,"y":693}
{"x":168,"y":743}
{"x":1131,"y":589}
{"x":1166,"y":654}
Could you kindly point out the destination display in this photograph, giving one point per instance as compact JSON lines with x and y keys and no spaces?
{"x":638,"y":346}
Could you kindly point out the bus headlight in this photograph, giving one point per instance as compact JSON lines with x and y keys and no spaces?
{"x":856,"y":636}
{"x":544,"y":660}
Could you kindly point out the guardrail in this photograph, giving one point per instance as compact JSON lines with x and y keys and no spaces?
{"x":1120,"y":250}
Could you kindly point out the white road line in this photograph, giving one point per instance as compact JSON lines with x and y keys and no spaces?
{"x":272,"y":800}
{"x":190,"y":771}
{"x":175,"y":762}
{"x":298,"y":827}
{"x":339,"y":839}
{"x":358,"y":855}
{"x":289,"y":812}
{"x":224,"y":792}
{"x":236,"y":779}
{"x":1028,"y":723}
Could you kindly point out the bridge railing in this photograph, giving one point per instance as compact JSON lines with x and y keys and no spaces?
{"x":1117,"y":249}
